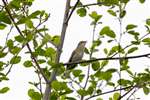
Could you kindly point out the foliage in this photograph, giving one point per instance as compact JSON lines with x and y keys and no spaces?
{"x":41,"y":48}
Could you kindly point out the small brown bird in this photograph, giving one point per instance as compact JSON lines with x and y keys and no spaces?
{"x":77,"y":54}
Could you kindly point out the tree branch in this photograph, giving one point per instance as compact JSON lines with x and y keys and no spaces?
{"x":28,"y":46}
{"x":125,"y":93}
{"x":59,"y":50}
{"x":73,"y":9}
{"x":92,"y":4}
{"x":108,"y":58}
{"x":110,"y":91}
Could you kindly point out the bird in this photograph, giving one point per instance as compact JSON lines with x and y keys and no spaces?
{"x":76,"y":55}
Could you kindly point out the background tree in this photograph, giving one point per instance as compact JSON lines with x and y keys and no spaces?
{"x":33,"y":46}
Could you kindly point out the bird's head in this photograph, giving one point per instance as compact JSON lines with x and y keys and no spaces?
{"x":82,"y":43}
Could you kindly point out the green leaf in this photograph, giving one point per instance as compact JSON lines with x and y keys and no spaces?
{"x":35,"y":43}
{"x":114,"y":50}
{"x":29,"y":37}
{"x":135,"y":42}
{"x":141,"y":1}
{"x":148,"y":22}
{"x":68,"y":98}
{"x":109,"y":2}
{"x":111,"y":12}
{"x":81,"y":12}
{"x":125,"y":1}
{"x":4,"y":18}
{"x":111,"y":34}
{"x":3,"y":78}
{"x":99,"y":99}
{"x":44,"y":29}
{"x":124,"y":63}
{"x":76,"y":73}
{"x":15,"y":4}
{"x":35,"y":14}
{"x":133,"y":49}
{"x":95,"y":16}
{"x":10,"y":43}
{"x":22,"y":20}
{"x":15,"y":50}
{"x":81,"y":77}
{"x":50,"y":52}
{"x":105,"y":51}
{"x":146,"y":90}
{"x":111,"y":70}
{"x":59,"y":86}
{"x":90,"y":90}
{"x":41,"y":61}
{"x":104,"y":30}
{"x":46,"y":38}
{"x":86,"y":51}
{"x":96,"y":43}
{"x":56,"y":39}
{"x":28,"y":63}
{"x":122,"y":14}
{"x":2,"y":26}
{"x":2,"y":54}
{"x":34,"y":95}
{"x":98,"y":91}
{"x":1,"y":65}
{"x":146,"y":41}
{"x":95,"y":65}
{"x":130,"y":26}
{"x":104,"y":63}
{"x":116,"y":96}
{"x":107,"y":31}
{"x":133,"y":33}
{"x":82,"y":92}
{"x":105,"y":76}
{"x":124,"y":82}
{"x":111,"y":84}
{"x":19,"y":38}
{"x":4,"y":90}
{"x":15,"y":60}
{"x":29,"y":23}
{"x":39,"y":51}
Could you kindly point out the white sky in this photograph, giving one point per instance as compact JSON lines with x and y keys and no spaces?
{"x":79,"y":29}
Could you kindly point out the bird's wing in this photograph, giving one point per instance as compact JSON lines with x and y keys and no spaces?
{"x":72,"y":55}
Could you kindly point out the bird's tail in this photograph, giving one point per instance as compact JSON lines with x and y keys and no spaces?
{"x":69,"y":67}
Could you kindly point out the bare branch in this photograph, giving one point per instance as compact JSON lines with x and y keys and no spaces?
{"x":71,"y":12}
{"x":125,"y":93}
{"x":92,"y":4}
{"x":108,"y":58}
{"x":110,"y":91}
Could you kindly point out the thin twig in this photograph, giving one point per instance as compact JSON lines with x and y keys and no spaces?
{"x":120,"y":39}
{"x":76,"y":82}
{"x":40,"y":84}
{"x":73,"y":9}
{"x":125,"y":93}
{"x":9,"y":70}
{"x":132,"y":94}
{"x":92,"y":4}
{"x":8,"y":34}
{"x":90,"y":57}
{"x":109,"y":92}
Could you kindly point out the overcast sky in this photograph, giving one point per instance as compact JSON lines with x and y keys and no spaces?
{"x":79,"y":29}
